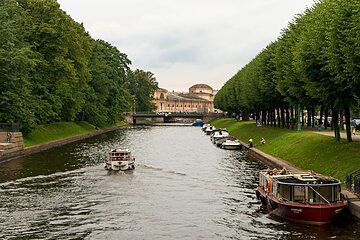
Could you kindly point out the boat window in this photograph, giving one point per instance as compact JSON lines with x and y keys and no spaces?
{"x":327,"y":193}
{"x":299,"y":193}
{"x":285,"y":192}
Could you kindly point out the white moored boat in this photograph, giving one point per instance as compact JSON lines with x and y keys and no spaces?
{"x":209,"y":130}
{"x":231,"y":144}
{"x":216,"y":135}
{"x":203,"y":128}
{"x":119,"y":159}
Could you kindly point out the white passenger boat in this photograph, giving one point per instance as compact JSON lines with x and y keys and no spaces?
{"x":231,"y":144}
{"x":216,"y":135}
{"x":119,"y":159}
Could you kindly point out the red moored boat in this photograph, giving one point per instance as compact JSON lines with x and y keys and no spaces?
{"x":303,"y":197}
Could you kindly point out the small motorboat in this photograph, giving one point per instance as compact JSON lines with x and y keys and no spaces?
{"x":216,"y":135}
{"x":303,"y":197}
{"x":220,"y":141}
{"x":203,"y":128}
{"x":198,"y":123}
{"x":231,"y":144}
{"x":209,"y":130}
{"x":119,"y":160}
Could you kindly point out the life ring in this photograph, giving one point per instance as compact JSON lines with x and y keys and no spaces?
{"x":268,"y":185}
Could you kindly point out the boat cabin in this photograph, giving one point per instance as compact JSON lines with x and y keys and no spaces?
{"x":119,"y":155}
{"x":301,"y":187}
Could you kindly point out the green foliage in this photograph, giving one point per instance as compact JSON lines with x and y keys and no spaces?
{"x":52,"y":70}
{"x":142,"y":86}
{"x":314,"y":64}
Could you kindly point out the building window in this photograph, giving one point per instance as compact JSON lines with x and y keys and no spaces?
{"x":168,"y":105}
{"x":161,"y":96}
{"x":180,"y":105}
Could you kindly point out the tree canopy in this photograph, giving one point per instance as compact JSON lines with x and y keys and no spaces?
{"x":314,"y":64}
{"x":52,"y":70}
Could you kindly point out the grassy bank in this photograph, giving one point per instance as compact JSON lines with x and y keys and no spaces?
{"x":304,"y":149}
{"x":60,"y":130}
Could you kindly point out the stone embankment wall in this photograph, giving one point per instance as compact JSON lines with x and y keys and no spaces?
{"x":10,"y":146}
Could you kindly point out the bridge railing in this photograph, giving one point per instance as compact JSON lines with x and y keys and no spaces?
{"x":353,"y":182}
{"x":9,"y":127}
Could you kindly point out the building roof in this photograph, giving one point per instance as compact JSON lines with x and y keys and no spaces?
{"x":201,"y":85}
{"x":161,"y":90}
{"x":185,"y":97}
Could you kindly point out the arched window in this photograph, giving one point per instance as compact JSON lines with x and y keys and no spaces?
{"x":162,"y":96}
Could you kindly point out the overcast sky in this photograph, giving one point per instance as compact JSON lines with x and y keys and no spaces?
{"x":184,"y":42}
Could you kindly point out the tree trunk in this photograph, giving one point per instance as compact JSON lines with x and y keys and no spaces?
{"x":282,"y":117}
{"x":320,"y":121}
{"x":342,"y":120}
{"x":263,"y":117}
{"x":292,"y":122}
{"x":302,"y":117}
{"x":313,"y":117}
{"x":279,"y":117}
{"x":347,"y":122}
{"x":245,"y":116}
{"x":308,"y":116}
{"x":335,"y":123}
{"x":326,"y":124}
{"x":287,"y":118}
{"x":274,"y":117}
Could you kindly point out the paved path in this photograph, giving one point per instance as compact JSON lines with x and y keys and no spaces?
{"x":355,"y":138}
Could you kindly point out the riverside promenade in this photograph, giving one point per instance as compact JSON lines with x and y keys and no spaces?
{"x":354,"y":201}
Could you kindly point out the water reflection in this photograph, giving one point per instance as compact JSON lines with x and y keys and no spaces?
{"x":183,"y":188}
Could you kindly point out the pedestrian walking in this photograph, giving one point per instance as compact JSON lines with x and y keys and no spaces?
{"x":8,"y":136}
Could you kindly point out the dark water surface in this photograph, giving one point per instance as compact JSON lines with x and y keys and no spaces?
{"x":183,"y":187}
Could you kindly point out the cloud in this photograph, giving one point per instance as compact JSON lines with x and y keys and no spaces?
{"x":184,"y":42}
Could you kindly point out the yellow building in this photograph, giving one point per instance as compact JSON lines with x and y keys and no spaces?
{"x":199,"y":99}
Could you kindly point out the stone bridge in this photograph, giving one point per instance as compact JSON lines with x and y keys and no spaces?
{"x":169,"y":117}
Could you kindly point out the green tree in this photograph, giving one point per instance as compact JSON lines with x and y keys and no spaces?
{"x":16,"y":62}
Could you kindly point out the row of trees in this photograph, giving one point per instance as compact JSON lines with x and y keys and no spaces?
{"x":313,"y":65}
{"x":52,"y":70}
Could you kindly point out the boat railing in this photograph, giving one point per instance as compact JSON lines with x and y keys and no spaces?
{"x":353,"y":182}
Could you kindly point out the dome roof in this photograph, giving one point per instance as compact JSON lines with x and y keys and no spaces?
{"x":201,"y":85}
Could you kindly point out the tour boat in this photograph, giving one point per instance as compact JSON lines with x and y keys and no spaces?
{"x":303,"y":197}
{"x":118,"y":159}
{"x":231,"y":144}
{"x":216,"y":135}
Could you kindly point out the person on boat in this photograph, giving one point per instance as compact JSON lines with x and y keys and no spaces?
{"x":354,"y":131}
{"x":250,"y":143}
{"x":262,"y":141}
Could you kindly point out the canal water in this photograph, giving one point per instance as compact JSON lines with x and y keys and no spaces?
{"x":183,"y":187}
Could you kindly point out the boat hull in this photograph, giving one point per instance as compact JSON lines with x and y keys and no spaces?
{"x":231,"y":147}
{"x":314,"y":213}
{"x":120,"y":165}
